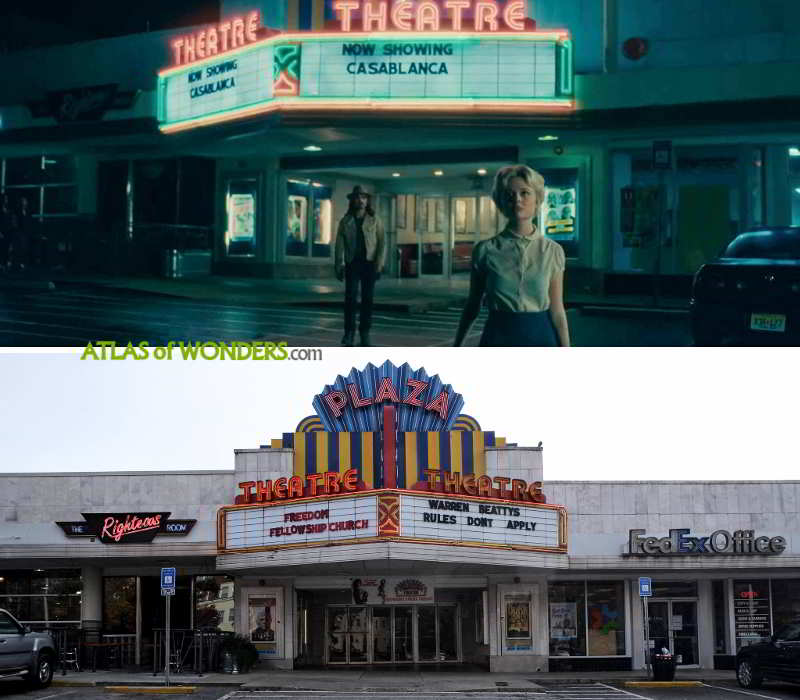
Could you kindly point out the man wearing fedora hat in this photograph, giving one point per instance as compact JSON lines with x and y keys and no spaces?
{"x":359,"y":258}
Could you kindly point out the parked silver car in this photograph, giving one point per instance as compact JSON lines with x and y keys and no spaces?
{"x":29,"y":655}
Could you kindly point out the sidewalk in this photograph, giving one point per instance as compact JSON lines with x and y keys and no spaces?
{"x":460,"y":679}
{"x":398,"y":295}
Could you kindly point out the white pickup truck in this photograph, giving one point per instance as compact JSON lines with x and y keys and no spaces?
{"x":29,"y":655}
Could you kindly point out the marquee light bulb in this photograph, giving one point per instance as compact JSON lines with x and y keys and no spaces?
{"x":438,"y":173}
{"x":312,"y":147}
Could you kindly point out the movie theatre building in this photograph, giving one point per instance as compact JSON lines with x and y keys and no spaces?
{"x":390,"y":527}
{"x":239,"y":140}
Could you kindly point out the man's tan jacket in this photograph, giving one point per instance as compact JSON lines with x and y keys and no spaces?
{"x":346,"y":241}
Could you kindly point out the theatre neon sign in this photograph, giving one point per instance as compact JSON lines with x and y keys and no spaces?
{"x":210,"y":41}
{"x":408,"y":16}
{"x":436,"y":481}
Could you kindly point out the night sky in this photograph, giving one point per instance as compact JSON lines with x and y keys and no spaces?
{"x":66,"y":21}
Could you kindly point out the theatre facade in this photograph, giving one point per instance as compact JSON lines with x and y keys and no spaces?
{"x":390,"y":527}
{"x":235,"y":143}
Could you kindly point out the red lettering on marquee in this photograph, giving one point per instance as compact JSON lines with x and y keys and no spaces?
{"x":298,"y":487}
{"x":456,"y":483}
{"x":431,"y":15}
{"x":213,"y":40}
{"x":336,"y":401}
{"x":332,"y":483}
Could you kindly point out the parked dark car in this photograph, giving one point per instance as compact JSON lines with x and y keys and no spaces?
{"x":777,"y":659}
{"x":750,"y":295}
{"x":29,"y":655}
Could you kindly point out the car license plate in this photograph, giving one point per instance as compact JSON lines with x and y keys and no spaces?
{"x":775,"y":323}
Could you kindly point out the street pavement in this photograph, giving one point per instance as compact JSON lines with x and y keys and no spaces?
{"x":536,"y":690}
{"x":74,"y":315}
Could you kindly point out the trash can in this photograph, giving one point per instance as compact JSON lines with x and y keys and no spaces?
{"x":663,"y":666}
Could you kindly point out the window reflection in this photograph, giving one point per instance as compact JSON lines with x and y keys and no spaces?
{"x":214,"y":602}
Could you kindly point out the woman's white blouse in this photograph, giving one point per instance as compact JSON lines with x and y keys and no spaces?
{"x":517,"y":270}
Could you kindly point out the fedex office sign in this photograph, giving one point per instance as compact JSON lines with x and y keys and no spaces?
{"x":720,"y":542}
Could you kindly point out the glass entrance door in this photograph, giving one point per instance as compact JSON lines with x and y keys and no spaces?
{"x":673,"y":625}
{"x":381,"y":635}
{"x":433,"y":227}
{"x":392,"y":634}
{"x":403,"y":633}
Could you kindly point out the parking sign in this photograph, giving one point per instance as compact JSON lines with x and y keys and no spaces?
{"x":645,"y":587}
{"x":168,"y":578}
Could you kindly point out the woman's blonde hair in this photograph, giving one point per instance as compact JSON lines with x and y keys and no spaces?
{"x":504,"y":177}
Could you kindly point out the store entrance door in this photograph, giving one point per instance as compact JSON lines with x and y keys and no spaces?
{"x":673,"y":625}
{"x":392,"y":634}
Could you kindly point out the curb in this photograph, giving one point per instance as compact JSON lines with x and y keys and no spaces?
{"x":629,"y":311}
{"x":73,"y":684}
{"x":664,"y":684}
{"x":164,"y":690}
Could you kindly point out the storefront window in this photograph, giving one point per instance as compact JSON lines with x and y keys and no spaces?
{"x":119,"y":604}
{"x":605,"y":614}
{"x":240,"y":213}
{"x":42,"y":598}
{"x":155,"y":185}
{"x":48,"y":183}
{"x":567,"y":618}
{"x":720,"y":611}
{"x":697,"y":205}
{"x":785,"y":603}
{"x":214,"y":602}
{"x":751,"y":611}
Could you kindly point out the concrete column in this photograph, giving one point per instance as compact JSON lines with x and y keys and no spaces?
{"x":705,"y":624}
{"x":289,"y":625}
{"x":91,"y":597}
{"x":637,"y":628}
{"x":777,"y":189}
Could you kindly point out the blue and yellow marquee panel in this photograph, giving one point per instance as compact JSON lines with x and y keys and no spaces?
{"x":318,"y":451}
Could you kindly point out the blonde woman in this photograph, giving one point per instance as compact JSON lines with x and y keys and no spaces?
{"x":519,"y":271}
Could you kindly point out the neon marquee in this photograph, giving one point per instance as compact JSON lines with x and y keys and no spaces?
{"x":407,"y":16}
{"x":210,"y":41}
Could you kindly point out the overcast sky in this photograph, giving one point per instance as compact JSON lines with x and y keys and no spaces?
{"x":602,"y":414}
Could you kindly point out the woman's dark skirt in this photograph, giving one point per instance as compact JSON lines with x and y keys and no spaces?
{"x":519,"y":329}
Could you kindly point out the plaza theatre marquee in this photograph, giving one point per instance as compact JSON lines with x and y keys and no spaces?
{"x":462,"y":56}
{"x":390,"y":458}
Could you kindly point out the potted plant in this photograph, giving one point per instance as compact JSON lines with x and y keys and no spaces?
{"x":239,"y":654}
